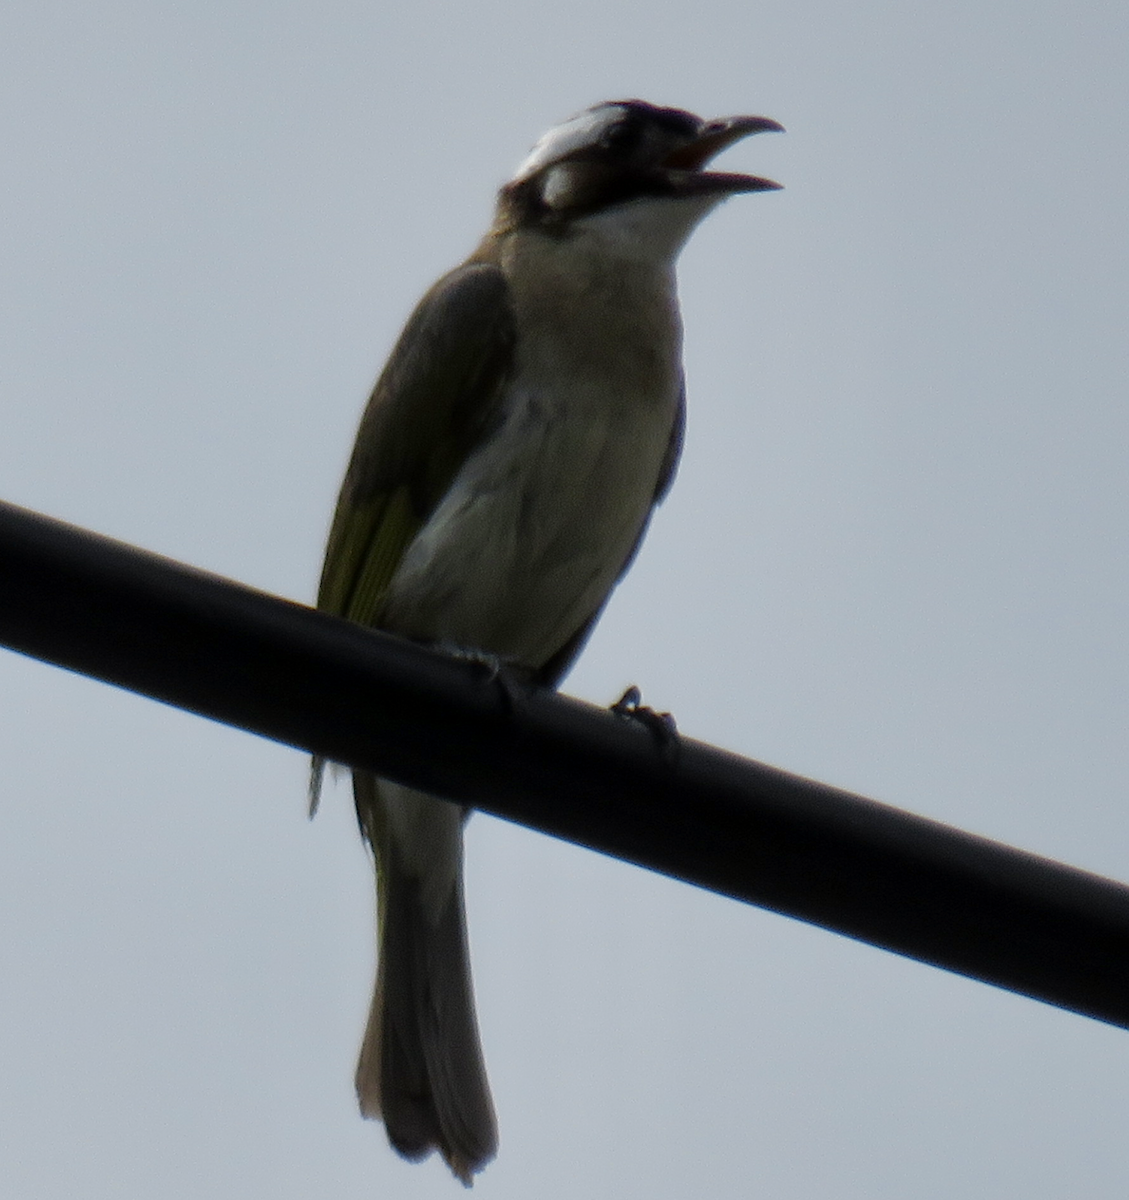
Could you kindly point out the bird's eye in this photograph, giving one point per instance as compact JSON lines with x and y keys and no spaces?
{"x":621,"y":137}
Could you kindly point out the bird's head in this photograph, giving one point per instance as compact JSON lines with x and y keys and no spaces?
{"x":631,"y":167}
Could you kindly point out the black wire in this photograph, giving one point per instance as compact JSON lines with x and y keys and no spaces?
{"x":615,"y":783}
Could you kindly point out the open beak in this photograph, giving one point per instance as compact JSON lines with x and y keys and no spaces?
{"x":685,"y":164}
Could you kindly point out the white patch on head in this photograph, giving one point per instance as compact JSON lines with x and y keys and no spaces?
{"x":557,"y":190}
{"x":582,"y":130}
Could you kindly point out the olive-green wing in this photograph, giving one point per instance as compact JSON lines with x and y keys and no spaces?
{"x":438,"y":394}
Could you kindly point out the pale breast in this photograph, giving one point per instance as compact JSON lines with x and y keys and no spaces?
{"x":538,"y":524}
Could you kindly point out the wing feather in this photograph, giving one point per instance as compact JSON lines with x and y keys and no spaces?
{"x":437,"y":397}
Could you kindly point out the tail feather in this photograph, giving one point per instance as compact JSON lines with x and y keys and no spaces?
{"x":421,"y":1068}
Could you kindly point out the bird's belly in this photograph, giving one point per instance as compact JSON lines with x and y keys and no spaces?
{"x":537,"y":526}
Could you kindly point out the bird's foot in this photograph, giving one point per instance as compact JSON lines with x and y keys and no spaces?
{"x":661,"y":724}
{"x":493,"y":670}
{"x":490,"y":665}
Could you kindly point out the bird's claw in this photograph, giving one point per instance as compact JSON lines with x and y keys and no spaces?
{"x":661,"y":724}
{"x":493,"y":671}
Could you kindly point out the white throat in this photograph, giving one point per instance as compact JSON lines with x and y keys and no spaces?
{"x":649,"y":231}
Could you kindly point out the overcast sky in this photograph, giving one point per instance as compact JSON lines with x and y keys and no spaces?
{"x":895,"y":560}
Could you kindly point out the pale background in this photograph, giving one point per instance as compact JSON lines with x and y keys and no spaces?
{"x":895,"y":560}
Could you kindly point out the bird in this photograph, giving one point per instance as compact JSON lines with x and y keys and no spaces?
{"x":527,"y":422}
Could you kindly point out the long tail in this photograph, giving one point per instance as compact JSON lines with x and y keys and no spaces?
{"x":421,"y":1069}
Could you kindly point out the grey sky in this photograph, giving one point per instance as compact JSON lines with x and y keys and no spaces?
{"x":895,"y":559}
